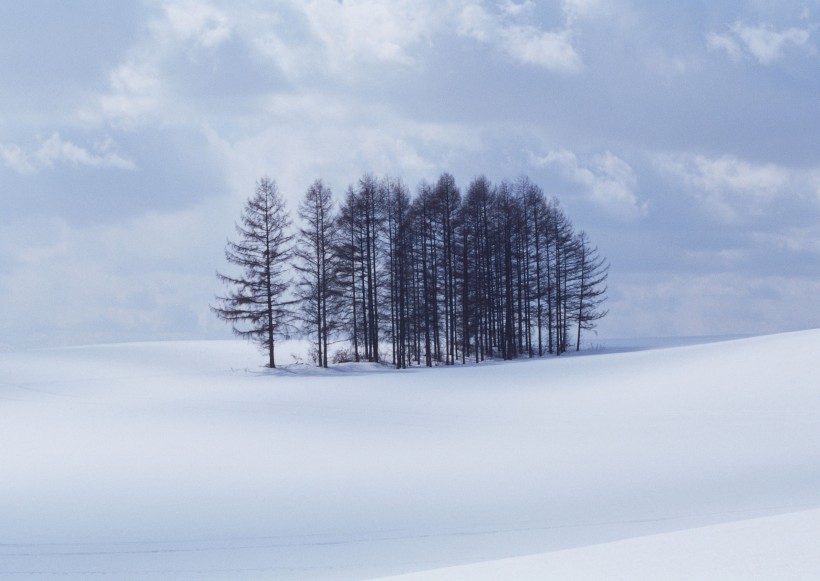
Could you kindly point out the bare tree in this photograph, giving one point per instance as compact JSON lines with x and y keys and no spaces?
{"x":592,"y":272}
{"x":398,"y":225}
{"x":255,"y":304}
{"x":447,"y":203}
{"x":317,"y":265}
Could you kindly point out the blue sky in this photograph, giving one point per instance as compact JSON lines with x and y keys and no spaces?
{"x":681,"y":137}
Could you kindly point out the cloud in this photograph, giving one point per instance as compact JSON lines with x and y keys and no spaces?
{"x":728,"y":187}
{"x":576,"y":9}
{"x":370,"y":30}
{"x":199,"y":22}
{"x":338,"y":37}
{"x":145,"y":278}
{"x":795,"y":239}
{"x":657,"y":304}
{"x":343,"y":39}
{"x":312,"y":40}
{"x":511,"y":8}
{"x":476,"y":23}
{"x":16,"y":159}
{"x":522,"y":41}
{"x":310,"y":135}
{"x":57,"y":151}
{"x":138,"y":87}
{"x":726,"y":43}
{"x":762,"y":42}
{"x":135,"y":94}
{"x":608,"y":181}
{"x":305,"y":40}
{"x":551,"y":50}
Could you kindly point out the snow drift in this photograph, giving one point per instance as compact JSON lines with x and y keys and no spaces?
{"x":188,"y":461}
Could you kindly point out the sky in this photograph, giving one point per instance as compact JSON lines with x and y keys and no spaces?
{"x":682,"y":137}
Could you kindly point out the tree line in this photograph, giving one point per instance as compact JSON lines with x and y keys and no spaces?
{"x":432,"y":279}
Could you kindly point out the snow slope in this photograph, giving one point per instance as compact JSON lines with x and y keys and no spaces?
{"x":189,"y":461}
{"x":775,"y":547}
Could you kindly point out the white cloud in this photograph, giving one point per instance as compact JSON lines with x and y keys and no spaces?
{"x":799,"y":239}
{"x":768,"y":45}
{"x":135,"y":93}
{"x":475,"y":22}
{"x":608,"y":181}
{"x":16,"y":158}
{"x":150,"y":277}
{"x":523,"y":41}
{"x":656,"y":304}
{"x":551,"y":50}
{"x":337,"y":37}
{"x":731,"y":173}
{"x":337,"y":140}
{"x":197,"y":21}
{"x":137,"y":90}
{"x":310,"y":39}
{"x":762,"y":42}
{"x":729,"y":187}
{"x":726,"y":43}
{"x":511,"y":8}
{"x":575,"y":9}
{"x":370,"y":30}
{"x":290,"y":59}
{"x":57,"y":151}
{"x":343,"y":39}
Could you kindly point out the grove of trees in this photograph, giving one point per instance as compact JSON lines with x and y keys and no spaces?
{"x":432,"y":279}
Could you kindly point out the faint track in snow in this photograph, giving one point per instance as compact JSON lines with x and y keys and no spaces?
{"x":297,"y":541}
{"x":30,"y":389}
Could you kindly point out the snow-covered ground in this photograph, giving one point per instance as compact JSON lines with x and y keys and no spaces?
{"x":189,"y":461}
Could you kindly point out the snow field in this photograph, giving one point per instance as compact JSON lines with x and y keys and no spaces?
{"x":189,"y":461}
